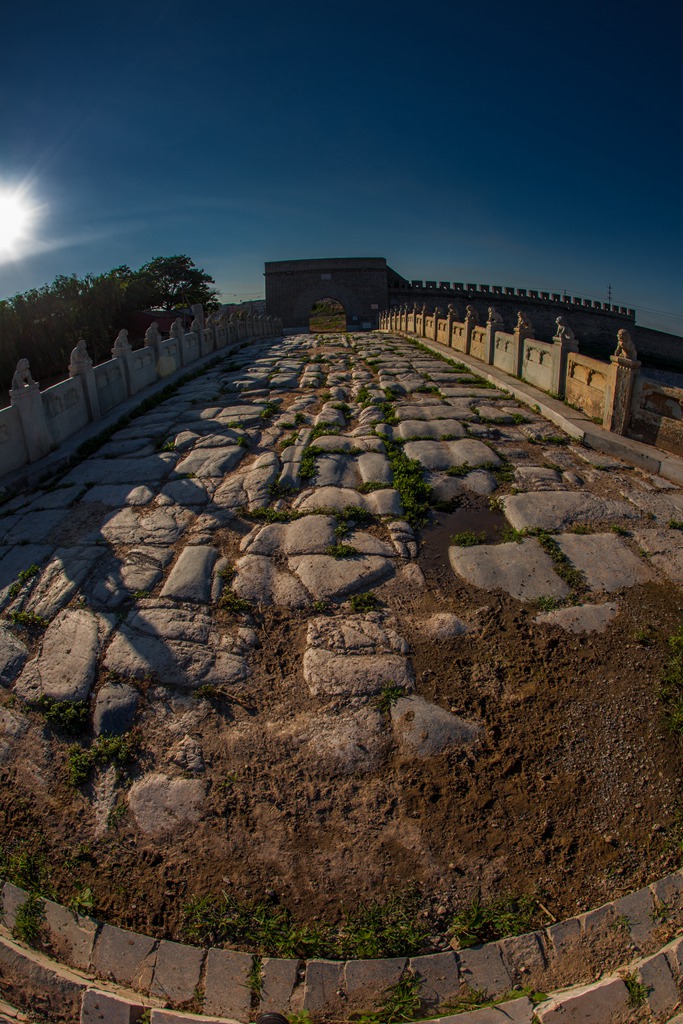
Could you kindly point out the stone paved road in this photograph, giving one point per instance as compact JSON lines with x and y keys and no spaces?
{"x":293,"y":478}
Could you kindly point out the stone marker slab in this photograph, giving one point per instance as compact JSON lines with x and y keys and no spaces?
{"x":329,"y":578}
{"x":482,"y":967}
{"x":161,"y":804}
{"x":67,"y":662}
{"x":665,"y":547}
{"x":177,"y":971}
{"x":439,"y":977}
{"x":71,"y":936}
{"x":278,"y":979}
{"x":366,"y":981}
{"x":601,"y":1003}
{"x":107,"y":1008}
{"x":522,"y":570}
{"x":426,"y":730}
{"x":125,"y":957}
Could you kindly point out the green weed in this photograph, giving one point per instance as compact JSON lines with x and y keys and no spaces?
{"x":28,"y":925}
{"x":22,"y":579}
{"x":637,"y":991}
{"x":401,"y":1003}
{"x":414,"y":492}
{"x":230,"y":602}
{"x":68,"y":716}
{"x":119,"y":751}
{"x":468,"y":538}
{"x":561,"y":564}
{"x":389,"y":695}
{"x":485,"y":922}
{"x":619,"y":530}
{"x":676,"y":524}
{"x":546,"y":604}
{"x":364,"y":602}
{"x":459,"y":470}
{"x":28,"y":619}
{"x":341,"y":550}
{"x":83,"y":900}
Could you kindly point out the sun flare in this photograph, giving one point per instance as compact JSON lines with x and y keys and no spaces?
{"x":16,"y":217}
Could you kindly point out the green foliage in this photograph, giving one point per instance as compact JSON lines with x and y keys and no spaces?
{"x":28,"y":925}
{"x":68,"y":716}
{"x":486,"y":922}
{"x":324,"y":430}
{"x":255,"y":976}
{"x":364,"y":602}
{"x":83,"y":900}
{"x":388,"y":412}
{"x":459,"y":470}
{"x":120,"y":751}
{"x":269,"y":410}
{"x":561,"y":564}
{"x":26,"y":868}
{"x":415,"y":493}
{"x":363,"y":397}
{"x":401,"y":1003}
{"x":546,"y":604}
{"x":468,"y":538}
{"x":28,"y":619}
{"x":22,"y":578}
{"x":341,"y":550}
{"x":383,"y":928}
{"x":307,"y":466}
{"x":510,"y":534}
{"x":676,"y":524}
{"x":271,"y":515}
{"x":230,"y":602}
{"x":389,"y":695}
{"x":619,"y":530}
{"x":637,"y":991}
{"x":172,"y":282}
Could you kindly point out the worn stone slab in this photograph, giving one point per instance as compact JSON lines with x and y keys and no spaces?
{"x":638,"y":908}
{"x":439,"y":977}
{"x":13,"y":655}
{"x":537,"y":478}
{"x":663,"y":996}
{"x":440,"y":455}
{"x":660,"y":507}
{"x":337,"y":498}
{"x":524,"y":957}
{"x":71,"y":936}
{"x":607,"y":563}
{"x":443,"y":626}
{"x":337,"y":471}
{"x":523,"y":570}
{"x":278,"y":979}
{"x":323,"y":983}
{"x":33,"y":528}
{"x":187,"y":493}
{"x":665,"y":548}
{"x":125,"y":957}
{"x":329,"y":578}
{"x":17,"y":559}
{"x":558,"y":510}
{"x":582,"y":618}
{"x":163,"y":526}
{"x":12,"y":899}
{"x":482,"y":967}
{"x":107,"y":1008}
{"x":177,"y":972}
{"x":366,"y":981}
{"x":117,"y":495}
{"x":374,"y":468}
{"x":429,"y":429}
{"x":427,"y":411}
{"x":386,"y":502}
{"x":161,"y":804}
{"x":30,"y":979}
{"x":605,"y":1002}
{"x":210,"y":462}
{"x":149,"y":470}
{"x":61,"y":578}
{"x":137,"y":573}
{"x":425,"y":730}
{"x":66,"y":664}
{"x":480,"y":482}
{"x":190,"y":577}
{"x":329,"y":674}
{"x":260,"y":581}
{"x":227,"y":984}
{"x":178,"y":646}
{"x":115,"y":708}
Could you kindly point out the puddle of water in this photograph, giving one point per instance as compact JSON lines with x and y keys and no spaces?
{"x":436,"y":538}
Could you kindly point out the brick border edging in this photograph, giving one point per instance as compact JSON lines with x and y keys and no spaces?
{"x":569,"y":952}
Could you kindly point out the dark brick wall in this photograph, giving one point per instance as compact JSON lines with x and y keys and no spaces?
{"x":293,"y":286}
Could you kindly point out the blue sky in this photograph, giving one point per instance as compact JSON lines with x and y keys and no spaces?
{"x":526,"y":144}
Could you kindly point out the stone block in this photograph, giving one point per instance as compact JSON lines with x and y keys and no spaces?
{"x":227,"y":984}
{"x":324,"y":979}
{"x":278,"y":980}
{"x":439,"y":978}
{"x":655,"y":972}
{"x":524,"y":957}
{"x":12,"y":898}
{"x":106,"y":1008}
{"x":177,"y":971}
{"x":674,"y":954}
{"x":606,"y":1002}
{"x":638,"y":909}
{"x":482,"y":968}
{"x":667,"y":896}
{"x":125,"y":957}
{"x":598,"y":924}
{"x":178,"y":1017}
{"x":35,"y":983}
{"x":515,"y":1011}
{"x":366,"y":981}
{"x":71,"y":936}
{"x":564,"y":937}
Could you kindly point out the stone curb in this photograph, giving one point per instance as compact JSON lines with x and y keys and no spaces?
{"x":564,"y":953}
{"x":573,"y":422}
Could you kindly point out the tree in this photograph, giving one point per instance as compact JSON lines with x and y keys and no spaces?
{"x":171,"y":282}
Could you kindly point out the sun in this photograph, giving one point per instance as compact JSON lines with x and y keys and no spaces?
{"x":16,"y":217}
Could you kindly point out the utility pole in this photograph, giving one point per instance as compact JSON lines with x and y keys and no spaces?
{"x":609,"y":294}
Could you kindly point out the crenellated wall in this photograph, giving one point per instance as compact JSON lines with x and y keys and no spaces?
{"x":39,"y":422}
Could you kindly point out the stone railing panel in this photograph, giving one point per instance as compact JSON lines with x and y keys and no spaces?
{"x":143,"y":368}
{"x":66,"y":409}
{"x":506,"y":353}
{"x":657,"y":412}
{"x":538,"y":363}
{"x":479,"y":344}
{"x":112,"y":387}
{"x":586,"y":384}
{"x":459,"y":336}
{"x":13,"y":452}
{"x":190,"y":348}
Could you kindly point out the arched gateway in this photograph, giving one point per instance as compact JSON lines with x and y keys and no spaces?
{"x":361,"y":286}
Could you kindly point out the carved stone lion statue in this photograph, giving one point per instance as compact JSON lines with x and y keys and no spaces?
{"x":121,"y":343}
{"x":523,"y":322}
{"x":79,"y":355}
{"x":471,"y":312}
{"x":564,"y":331}
{"x":22,"y":375}
{"x":494,"y":317}
{"x":152,"y":335}
{"x":177,"y":329}
{"x":625,"y":347}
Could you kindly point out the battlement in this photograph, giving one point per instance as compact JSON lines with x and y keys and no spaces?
{"x":473,"y":291}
